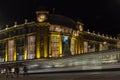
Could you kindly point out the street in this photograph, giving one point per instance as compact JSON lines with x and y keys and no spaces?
{"x":111,"y":75}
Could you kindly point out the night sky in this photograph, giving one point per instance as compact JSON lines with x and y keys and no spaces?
{"x":99,"y":15}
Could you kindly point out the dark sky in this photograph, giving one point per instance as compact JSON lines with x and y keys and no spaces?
{"x":99,"y":15}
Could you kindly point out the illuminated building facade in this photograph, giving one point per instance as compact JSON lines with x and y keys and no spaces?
{"x":51,"y":36}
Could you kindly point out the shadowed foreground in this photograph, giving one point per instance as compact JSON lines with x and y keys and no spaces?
{"x":68,"y":76}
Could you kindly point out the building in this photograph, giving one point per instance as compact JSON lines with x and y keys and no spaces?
{"x":50,"y":36}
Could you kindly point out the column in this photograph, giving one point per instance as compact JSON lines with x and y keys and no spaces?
{"x":37,"y":44}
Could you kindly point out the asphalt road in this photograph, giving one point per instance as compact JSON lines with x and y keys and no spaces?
{"x":111,"y":75}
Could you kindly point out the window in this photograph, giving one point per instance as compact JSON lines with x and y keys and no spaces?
{"x":66,"y":46}
{"x":20,"y":48}
{"x":20,"y":31}
{"x":2,"y":36}
{"x":31,"y":29}
{"x":11,"y":33}
{"x":2,"y":51}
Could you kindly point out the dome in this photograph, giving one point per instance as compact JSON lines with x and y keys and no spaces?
{"x":62,"y":20}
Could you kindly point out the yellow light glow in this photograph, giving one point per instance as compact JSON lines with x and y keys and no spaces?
{"x":50,"y":56}
{"x":61,"y":55}
{"x":41,"y":17}
{"x":38,"y":46}
{"x":15,"y":56}
{"x":14,"y":52}
{"x":60,"y":46}
{"x":6,"y":53}
{"x":45,"y":47}
{"x":25,"y":52}
{"x":38,"y":52}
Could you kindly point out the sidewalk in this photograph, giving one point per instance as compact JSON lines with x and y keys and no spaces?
{"x":20,"y":77}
